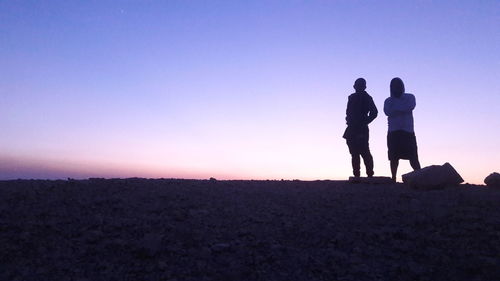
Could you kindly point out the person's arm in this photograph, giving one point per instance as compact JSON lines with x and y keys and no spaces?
{"x":373,"y":112}
{"x":348,"y":111}
{"x":405,"y":103}
{"x":395,"y":106}
{"x":388,"y":108}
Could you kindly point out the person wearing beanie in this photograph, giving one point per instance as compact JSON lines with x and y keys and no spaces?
{"x":361,"y":111}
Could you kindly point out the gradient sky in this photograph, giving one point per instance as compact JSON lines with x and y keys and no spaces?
{"x":240,"y":89}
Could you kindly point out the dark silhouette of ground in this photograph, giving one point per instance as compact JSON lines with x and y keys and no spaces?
{"x":136,"y":229}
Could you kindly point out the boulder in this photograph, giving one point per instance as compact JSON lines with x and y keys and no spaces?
{"x":433,"y":177}
{"x":493,"y":180}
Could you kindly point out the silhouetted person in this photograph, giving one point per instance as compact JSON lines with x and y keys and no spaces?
{"x":401,"y":140}
{"x":361,"y":111}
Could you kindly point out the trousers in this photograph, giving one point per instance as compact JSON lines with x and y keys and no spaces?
{"x":359,"y":147}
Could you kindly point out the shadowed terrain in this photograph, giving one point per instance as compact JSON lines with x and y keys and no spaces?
{"x":165,"y":229}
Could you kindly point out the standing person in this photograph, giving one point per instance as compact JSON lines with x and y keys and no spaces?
{"x":401,"y":140}
{"x":361,"y":111}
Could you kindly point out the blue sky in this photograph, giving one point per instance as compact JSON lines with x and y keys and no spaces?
{"x":240,"y":89}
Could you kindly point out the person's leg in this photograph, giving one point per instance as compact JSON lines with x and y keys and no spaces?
{"x":368,"y":160}
{"x":394,"y":168}
{"x":367,"y":156}
{"x":415,"y":164}
{"x":356,"y":163}
{"x":354,"y":149}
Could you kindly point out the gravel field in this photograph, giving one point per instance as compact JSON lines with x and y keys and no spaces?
{"x":167,"y":229}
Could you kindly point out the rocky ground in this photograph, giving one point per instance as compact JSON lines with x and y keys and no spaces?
{"x":136,"y":229}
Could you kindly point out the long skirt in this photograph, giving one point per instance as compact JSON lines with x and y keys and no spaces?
{"x":402,"y":145}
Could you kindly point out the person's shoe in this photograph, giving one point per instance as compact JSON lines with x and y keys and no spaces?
{"x":370,"y":174}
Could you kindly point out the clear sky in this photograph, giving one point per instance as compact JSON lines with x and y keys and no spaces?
{"x":240,"y":89}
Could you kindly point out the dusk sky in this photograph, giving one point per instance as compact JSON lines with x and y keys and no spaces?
{"x":240,"y":89}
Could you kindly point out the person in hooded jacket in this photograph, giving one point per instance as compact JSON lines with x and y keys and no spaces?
{"x":361,"y":111}
{"x":401,"y":140}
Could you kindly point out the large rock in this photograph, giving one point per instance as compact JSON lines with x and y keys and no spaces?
{"x":493,"y":180}
{"x":433,"y":177}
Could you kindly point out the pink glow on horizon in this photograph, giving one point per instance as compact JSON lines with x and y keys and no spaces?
{"x":308,"y":167}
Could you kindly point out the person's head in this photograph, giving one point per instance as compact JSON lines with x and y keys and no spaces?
{"x":359,"y":85}
{"x":397,"y":87}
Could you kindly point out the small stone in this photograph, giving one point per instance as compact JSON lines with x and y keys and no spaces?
{"x":93,"y":236}
{"x":25,"y":235}
{"x":162,"y":265}
{"x":220,"y":247}
{"x":493,"y":180}
{"x":151,"y":243}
